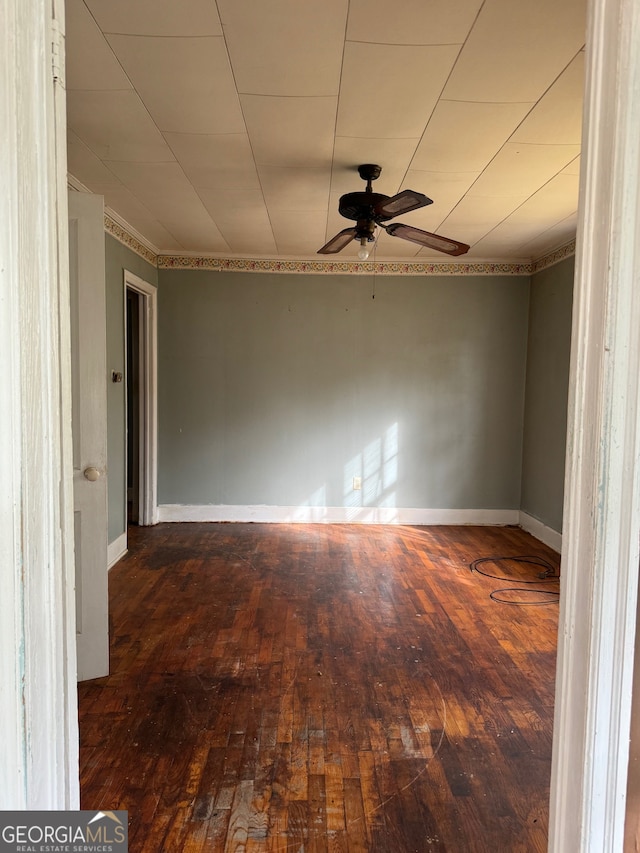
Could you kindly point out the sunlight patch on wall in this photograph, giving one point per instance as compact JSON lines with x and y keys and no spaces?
{"x":376,"y":470}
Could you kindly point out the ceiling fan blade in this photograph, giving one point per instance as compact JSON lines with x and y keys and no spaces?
{"x":337,"y":243}
{"x":401,"y":203}
{"x":425,"y":238}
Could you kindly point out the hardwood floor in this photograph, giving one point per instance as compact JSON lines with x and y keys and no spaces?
{"x":324,"y":688}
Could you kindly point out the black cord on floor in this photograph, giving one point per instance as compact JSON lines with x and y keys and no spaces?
{"x":494,"y":595}
{"x":547,"y":576}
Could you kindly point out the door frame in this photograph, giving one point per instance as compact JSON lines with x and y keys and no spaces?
{"x":38,"y":701}
{"x":601,"y":535}
{"x":148,"y":448}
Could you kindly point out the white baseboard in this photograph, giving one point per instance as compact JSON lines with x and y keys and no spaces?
{"x":116,"y":549}
{"x":545,"y":534}
{"x":335,"y":514}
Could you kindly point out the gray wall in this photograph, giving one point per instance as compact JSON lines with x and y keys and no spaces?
{"x":278,"y":389}
{"x":545,"y":423}
{"x":118,"y":258}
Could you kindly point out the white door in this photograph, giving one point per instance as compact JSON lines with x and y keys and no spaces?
{"x":89,"y":395}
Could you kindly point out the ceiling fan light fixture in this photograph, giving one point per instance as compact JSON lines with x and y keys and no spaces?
{"x":363,"y":251}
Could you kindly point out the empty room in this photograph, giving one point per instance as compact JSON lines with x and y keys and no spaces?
{"x":325,"y":416}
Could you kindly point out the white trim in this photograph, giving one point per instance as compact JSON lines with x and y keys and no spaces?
{"x":38,"y":699}
{"x":68,"y":746}
{"x":540,"y":530}
{"x":148,"y":502}
{"x":602,"y":495}
{"x":334,"y":514}
{"x":77,"y":186}
{"x":116,"y":550}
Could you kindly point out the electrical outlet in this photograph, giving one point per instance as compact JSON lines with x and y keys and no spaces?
{"x":357,"y":483}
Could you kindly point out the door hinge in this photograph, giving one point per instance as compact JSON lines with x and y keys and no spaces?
{"x":57,"y":52}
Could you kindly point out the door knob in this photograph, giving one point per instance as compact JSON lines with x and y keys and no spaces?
{"x":91,"y":474}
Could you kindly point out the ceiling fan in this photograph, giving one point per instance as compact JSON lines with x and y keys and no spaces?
{"x":371,"y":209}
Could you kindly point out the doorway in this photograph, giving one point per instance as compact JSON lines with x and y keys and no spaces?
{"x":141,"y":400}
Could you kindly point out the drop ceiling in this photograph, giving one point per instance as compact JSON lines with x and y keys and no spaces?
{"x":231,"y":128}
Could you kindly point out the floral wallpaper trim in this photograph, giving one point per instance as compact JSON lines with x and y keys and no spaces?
{"x":554,"y":257}
{"x":128,"y":240}
{"x":342,"y":267}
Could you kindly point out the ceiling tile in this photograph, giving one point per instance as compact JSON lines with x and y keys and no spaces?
{"x":157,"y":234}
{"x":267,"y":40}
{"x":444,"y":189}
{"x":185,"y":83}
{"x":557,"y":117}
{"x":573,"y":168}
{"x":212,"y":161}
{"x":84,"y":165}
{"x":397,"y":102}
{"x":128,"y":206}
{"x":554,"y":203}
{"x":521,"y":169}
{"x":496,"y":252}
{"x":154,"y":180}
{"x":90,"y":63}
{"x":557,"y":235}
{"x":436,"y":22}
{"x":506,"y":243}
{"x":299,"y":232}
{"x":164,"y":190}
{"x":295,"y":189}
{"x":136,"y":214}
{"x":470,"y":234}
{"x":464,"y":136}
{"x":157,"y":17}
{"x":219,"y":201}
{"x":474,"y":217}
{"x":523,"y":241}
{"x":516,"y":50}
{"x":195,"y":229}
{"x":290,"y":131}
{"x":116,"y":126}
{"x":245,"y":230}
{"x":551,"y":203}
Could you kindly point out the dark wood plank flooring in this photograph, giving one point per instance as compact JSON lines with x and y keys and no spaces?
{"x":316,"y":688}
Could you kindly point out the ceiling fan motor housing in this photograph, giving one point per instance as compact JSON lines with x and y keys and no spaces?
{"x":360,"y":205}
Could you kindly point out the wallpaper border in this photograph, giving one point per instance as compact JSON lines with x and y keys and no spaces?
{"x":342,"y":267}
{"x":116,"y":230}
